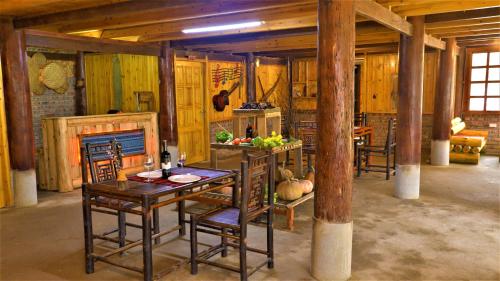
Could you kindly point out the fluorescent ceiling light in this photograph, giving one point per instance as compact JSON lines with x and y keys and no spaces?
{"x":223,"y":27}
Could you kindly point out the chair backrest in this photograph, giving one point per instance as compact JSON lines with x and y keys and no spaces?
{"x":104,"y":160}
{"x":360,"y":119}
{"x":255,"y":174}
{"x":147,"y":98}
{"x":391,"y":134}
{"x":307,"y":131}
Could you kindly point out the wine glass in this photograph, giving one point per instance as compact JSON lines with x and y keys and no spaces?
{"x":148,"y":164}
{"x":182,"y":159}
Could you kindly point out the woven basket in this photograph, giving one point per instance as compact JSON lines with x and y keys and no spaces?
{"x":39,"y":59}
{"x":36,"y":86}
{"x":53,"y":75}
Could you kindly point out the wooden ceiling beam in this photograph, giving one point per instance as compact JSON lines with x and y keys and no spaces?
{"x":483,"y":27}
{"x":287,"y":17}
{"x":419,"y":8}
{"x":45,"y":39}
{"x":462,"y":23}
{"x":434,"y":42}
{"x":462,"y":15}
{"x":470,"y":33}
{"x":147,"y":12}
{"x":376,"y":12}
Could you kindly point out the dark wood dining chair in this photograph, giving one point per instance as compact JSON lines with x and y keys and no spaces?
{"x":389,"y":149}
{"x":104,"y":160}
{"x":231,"y":222}
{"x":360,"y":120}
{"x":307,"y":131}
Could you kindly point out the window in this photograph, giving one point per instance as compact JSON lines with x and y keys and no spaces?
{"x":483,"y":80}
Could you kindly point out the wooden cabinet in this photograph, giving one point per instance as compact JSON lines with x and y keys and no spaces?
{"x":59,"y":160}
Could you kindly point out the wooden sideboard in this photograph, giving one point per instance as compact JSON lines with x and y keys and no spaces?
{"x":59,"y":160}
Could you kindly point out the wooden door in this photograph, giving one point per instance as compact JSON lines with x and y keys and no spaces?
{"x":190,"y":102}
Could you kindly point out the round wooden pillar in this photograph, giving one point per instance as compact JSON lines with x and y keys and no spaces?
{"x":409,"y":117}
{"x":250,"y":72}
{"x":332,"y":229}
{"x":441,"y":125}
{"x":81,"y":92}
{"x":168,"y":111}
{"x":19,"y":115}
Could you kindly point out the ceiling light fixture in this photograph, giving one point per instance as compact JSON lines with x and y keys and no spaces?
{"x":223,"y":27}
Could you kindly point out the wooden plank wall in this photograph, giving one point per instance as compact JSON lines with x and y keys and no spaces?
{"x":6,"y":196}
{"x":268,"y":74}
{"x":379,"y":83}
{"x":138,"y":73}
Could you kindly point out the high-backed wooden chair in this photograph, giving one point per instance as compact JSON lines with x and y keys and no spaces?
{"x":145,"y":98}
{"x":104,"y":160}
{"x":364,"y":151}
{"x":360,"y":119}
{"x":307,"y":131}
{"x":231,"y":222}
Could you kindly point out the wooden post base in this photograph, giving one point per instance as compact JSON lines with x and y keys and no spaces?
{"x":440,"y":152}
{"x":331,"y":250}
{"x":24,"y":183}
{"x":407,"y":181}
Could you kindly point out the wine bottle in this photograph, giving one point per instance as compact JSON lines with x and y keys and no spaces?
{"x":249,"y":131}
{"x":166,"y":164}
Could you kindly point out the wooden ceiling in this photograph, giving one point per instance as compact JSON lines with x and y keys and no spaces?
{"x":288,"y":24}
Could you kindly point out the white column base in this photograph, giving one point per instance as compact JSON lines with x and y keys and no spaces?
{"x":440,"y":152}
{"x":407,"y":181}
{"x":24,"y":183}
{"x":331,"y":250}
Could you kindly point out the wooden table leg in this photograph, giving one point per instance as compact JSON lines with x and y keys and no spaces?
{"x":289,"y":218}
{"x":87,"y":225}
{"x":156,"y":224}
{"x":147,"y":255}
{"x":181,"y":211}
{"x":298,"y":162}
{"x":213,"y":158}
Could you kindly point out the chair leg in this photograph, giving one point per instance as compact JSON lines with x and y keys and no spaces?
{"x":194,"y":245}
{"x":156,"y":224}
{"x":270,"y":240}
{"x":388,"y":165}
{"x":224,"y":243}
{"x":122,"y":228}
{"x":243,"y":255}
{"x":358,"y":161}
{"x":367,"y":160}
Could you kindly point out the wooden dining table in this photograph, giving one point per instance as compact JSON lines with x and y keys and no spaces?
{"x":146,"y":197}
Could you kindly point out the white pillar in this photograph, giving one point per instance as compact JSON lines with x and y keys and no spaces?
{"x":440,"y":152}
{"x":331,"y":250}
{"x":24,"y":183}
{"x":407,"y":181}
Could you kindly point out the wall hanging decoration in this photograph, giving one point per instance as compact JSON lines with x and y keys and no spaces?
{"x":53,"y":75}
{"x":221,"y":75}
{"x":35,"y":63}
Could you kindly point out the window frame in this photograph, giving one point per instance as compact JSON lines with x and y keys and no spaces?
{"x":468,"y":78}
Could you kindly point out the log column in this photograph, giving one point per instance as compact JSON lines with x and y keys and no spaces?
{"x":19,"y":116}
{"x":81,"y":93}
{"x":441,"y":125}
{"x":168,"y":111}
{"x":250,"y":71}
{"x":332,"y":228}
{"x":409,"y":122}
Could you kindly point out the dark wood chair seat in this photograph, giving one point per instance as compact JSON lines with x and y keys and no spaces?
{"x":227,"y":217}
{"x":373,"y":148}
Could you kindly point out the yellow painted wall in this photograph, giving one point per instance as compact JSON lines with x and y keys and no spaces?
{"x":138,"y":73}
{"x":6,"y":196}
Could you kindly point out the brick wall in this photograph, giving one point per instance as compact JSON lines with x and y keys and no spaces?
{"x":379,"y":122}
{"x":52,"y":104}
{"x":481,"y":122}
